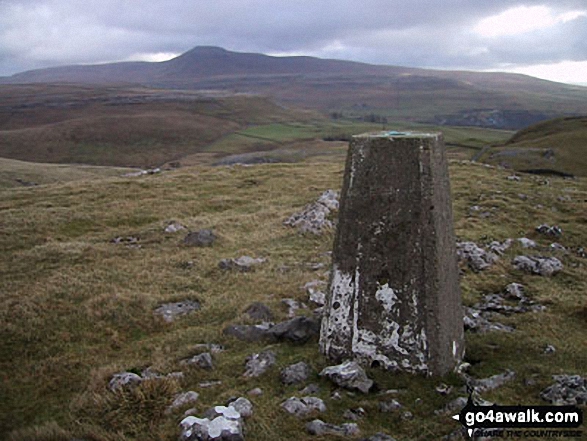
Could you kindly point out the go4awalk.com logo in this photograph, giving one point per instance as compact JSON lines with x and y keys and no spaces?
{"x":521,"y":421}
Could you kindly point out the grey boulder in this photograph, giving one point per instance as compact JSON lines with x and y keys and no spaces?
{"x":348,"y":375}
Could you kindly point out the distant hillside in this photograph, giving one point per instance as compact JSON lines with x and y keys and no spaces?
{"x":352,"y":89}
{"x":557,"y":145}
{"x":122,"y":126}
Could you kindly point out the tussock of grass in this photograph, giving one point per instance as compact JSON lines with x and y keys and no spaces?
{"x":76,"y":308}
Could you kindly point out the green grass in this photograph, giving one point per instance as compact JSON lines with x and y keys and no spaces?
{"x":75,"y":308}
{"x":530,"y":148}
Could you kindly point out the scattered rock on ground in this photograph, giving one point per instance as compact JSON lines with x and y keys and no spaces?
{"x":568,"y":390}
{"x":129,"y":241}
{"x":250,"y":332}
{"x":315,"y":295}
{"x":201,"y":238}
{"x":554,"y":231}
{"x":476,"y":257}
{"x":259,"y":311}
{"x":543,"y":266}
{"x":124,"y":380}
{"x":257,"y":364}
{"x":242,"y":406}
{"x":490,"y":383}
{"x":313,"y":218}
{"x":389,"y":406}
{"x":302,"y":407}
{"x":296,"y":373}
{"x":549,"y":349}
{"x":213,"y":348}
{"x":354,"y":414}
{"x":171,"y":311}
{"x":453,"y":406}
{"x":256,"y":392}
{"x":227,"y":426}
{"x":243,"y":263}
{"x":310,"y":389}
{"x":526,"y":243}
{"x":475,"y":320}
{"x":557,"y":247}
{"x":296,"y":330}
{"x":203,"y":361}
{"x":293,"y":306}
{"x":500,"y":247}
{"x":320,"y":428}
{"x":174,"y":227}
{"x":182,"y":400}
{"x":348,"y":375}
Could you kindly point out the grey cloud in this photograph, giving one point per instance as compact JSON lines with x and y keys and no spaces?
{"x":37,"y":33}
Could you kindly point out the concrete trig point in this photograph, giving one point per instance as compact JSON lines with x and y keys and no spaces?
{"x":394,"y":298}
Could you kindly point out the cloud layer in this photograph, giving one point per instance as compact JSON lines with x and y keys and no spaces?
{"x":453,"y":34}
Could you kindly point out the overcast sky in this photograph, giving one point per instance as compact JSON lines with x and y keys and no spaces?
{"x":545,"y":38}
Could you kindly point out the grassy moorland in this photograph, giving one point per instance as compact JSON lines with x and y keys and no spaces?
{"x":559,"y":144}
{"x":76,"y":308}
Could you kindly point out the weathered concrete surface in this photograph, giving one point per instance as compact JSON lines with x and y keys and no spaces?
{"x":394,"y":298}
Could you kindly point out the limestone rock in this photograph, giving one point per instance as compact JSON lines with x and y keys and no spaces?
{"x":543,"y":266}
{"x":478,"y":321}
{"x":228,"y":426}
{"x":500,"y":247}
{"x":250,"y":333}
{"x":203,"y":361}
{"x":567,"y":390}
{"x":354,"y":414}
{"x":124,"y":380}
{"x":259,"y":311}
{"x":476,"y":257}
{"x":201,"y":238}
{"x":292,"y":306}
{"x":243,"y":406}
{"x":182,"y":400}
{"x":170,"y":311}
{"x":493,"y":382}
{"x":296,"y":330}
{"x":527,"y":243}
{"x":295,"y":373}
{"x":257,"y":364}
{"x":304,"y":406}
{"x":242,"y":264}
{"x":348,"y":375}
{"x":320,"y":428}
{"x":313,"y":218}
{"x":554,"y":231}
{"x":174,"y":227}
{"x":389,"y":406}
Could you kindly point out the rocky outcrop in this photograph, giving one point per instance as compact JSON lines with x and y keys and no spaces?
{"x":313,"y":218}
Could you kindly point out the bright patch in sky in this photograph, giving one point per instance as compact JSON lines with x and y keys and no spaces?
{"x":564,"y":72}
{"x":153,"y":56}
{"x":523,"y":19}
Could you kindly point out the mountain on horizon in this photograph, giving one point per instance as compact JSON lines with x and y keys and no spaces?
{"x":499,"y":100}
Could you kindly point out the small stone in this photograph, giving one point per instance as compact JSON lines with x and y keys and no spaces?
{"x":304,"y":406}
{"x":293,"y":306}
{"x":557,"y":247}
{"x":257,"y":364}
{"x":296,"y":330}
{"x":407,"y":416}
{"x":208,"y":384}
{"x":259,"y":311}
{"x":320,"y":428}
{"x":213,"y":348}
{"x":313,"y":218}
{"x":243,"y":406}
{"x":568,"y":390}
{"x":389,"y":406}
{"x":174,"y":227}
{"x":295,"y":373}
{"x":252,"y":333}
{"x":549,"y":349}
{"x":475,"y":320}
{"x":336,"y":395}
{"x":493,"y":382}
{"x":554,"y":231}
{"x":515,"y":291}
{"x":182,"y":400}
{"x":514,"y":178}
{"x":444,"y":389}
{"x":242,"y":264}
{"x":171,"y":311}
{"x":203,"y":361}
{"x":526,"y":243}
{"x":348,"y":375}
{"x":476,"y":257}
{"x":124,"y":380}
{"x":201,"y":238}
{"x":500,"y":247}
{"x":310,"y":389}
{"x":543,"y":266}
{"x":354,"y":414}
{"x":256,"y":392}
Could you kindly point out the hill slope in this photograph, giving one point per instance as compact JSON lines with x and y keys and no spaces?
{"x":124,"y":126}
{"x":558,"y":145}
{"x":454,"y":98}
